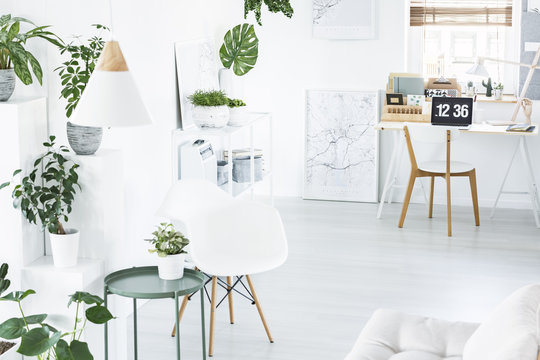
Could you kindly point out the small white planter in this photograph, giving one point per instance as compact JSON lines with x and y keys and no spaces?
{"x":12,"y":353}
{"x":498,"y":94}
{"x":171,"y":267}
{"x":211,"y":116}
{"x":65,"y":248}
{"x":239,"y":116}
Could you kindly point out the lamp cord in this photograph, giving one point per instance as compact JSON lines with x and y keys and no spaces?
{"x":111,"y":19}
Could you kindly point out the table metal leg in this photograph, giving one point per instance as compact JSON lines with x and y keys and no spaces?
{"x":135,"y":355}
{"x":106,"y":331}
{"x":177,"y":317}
{"x":202,"y":325}
{"x":397,"y":166}
{"x":392,"y":173}
{"x":533,"y":191}
{"x":501,"y":189}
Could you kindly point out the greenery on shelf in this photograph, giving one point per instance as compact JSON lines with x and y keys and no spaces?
{"x":168,"y":241}
{"x":275,"y":6}
{"x":498,"y":86}
{"x":209,"y":98}
{"x":75,"y":73}
{"x":236,"y":103}
{"x":488,"y":87}
{"x":240,"y":49}
{"x":42,"y":340}
{"x":48,"y":191}
{"x":12,"y":47}
{"x":470,"y":84}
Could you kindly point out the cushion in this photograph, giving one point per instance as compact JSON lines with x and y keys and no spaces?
{"x":511,"y":331}
{"x":391,"y":335}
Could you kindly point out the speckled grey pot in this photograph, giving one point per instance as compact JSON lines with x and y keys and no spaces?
{"x":7,"y":84}
{"x":84,"y":140}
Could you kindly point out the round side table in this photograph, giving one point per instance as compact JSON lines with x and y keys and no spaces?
{"x":144,"y":283}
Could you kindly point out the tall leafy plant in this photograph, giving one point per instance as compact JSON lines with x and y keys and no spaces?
{"x":275,"y":6}
{"x":75,"y":73}
{"x":240,"y":49}
{"x":48,"y":191}
{"x":12,"y":47}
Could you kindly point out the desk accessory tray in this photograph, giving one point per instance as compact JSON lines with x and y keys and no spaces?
{"x":405,"y":113}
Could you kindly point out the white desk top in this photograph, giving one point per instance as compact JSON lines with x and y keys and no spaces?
{"x":474,"y":129}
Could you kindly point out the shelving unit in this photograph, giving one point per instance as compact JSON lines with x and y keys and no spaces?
{"x":226,"y":135}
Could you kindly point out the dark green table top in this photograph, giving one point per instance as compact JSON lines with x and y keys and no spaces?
{"x":144,"y":283}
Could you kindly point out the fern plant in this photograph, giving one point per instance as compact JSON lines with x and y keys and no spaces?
{"x":209,"y":98}
{"x":275,"y":6}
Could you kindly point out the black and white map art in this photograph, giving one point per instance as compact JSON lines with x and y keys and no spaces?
{"x":341,"y":155}
{"x":344,"y":19}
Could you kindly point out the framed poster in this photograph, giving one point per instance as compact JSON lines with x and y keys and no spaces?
{"x":341,"y":153}
{"x":196,"y":68}
{"x":344,"y":19}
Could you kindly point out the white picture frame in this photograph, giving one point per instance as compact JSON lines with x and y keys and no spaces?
{"x":344,"y":19}
{"x":196,"y":68}
{"x":341,"y":160}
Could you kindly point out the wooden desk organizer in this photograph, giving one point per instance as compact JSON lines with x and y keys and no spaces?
{"x":405,"y":113}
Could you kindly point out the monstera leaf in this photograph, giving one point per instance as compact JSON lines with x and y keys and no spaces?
{"x":240,"y":49}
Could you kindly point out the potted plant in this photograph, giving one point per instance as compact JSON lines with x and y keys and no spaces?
{"x":169,"y":245}
{"x":238,"y":112}
{"x":499,"y":87}
{"x":238,"y":54}
{"x":15,"y":60}
{"x":470,"y":88}
{"x":47,"y":194}
{"x":40,"y":339}
{"x":75,"y":74}
{"x":7,"y":348}
{"x":210,"y":108}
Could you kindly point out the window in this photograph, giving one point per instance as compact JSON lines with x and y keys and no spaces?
{"x":455,"y":32}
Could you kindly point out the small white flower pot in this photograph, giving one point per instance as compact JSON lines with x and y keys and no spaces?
{"x":12,"y":353}
{"x":239,"y":116}
{"x":498,"y":94}
{"x":65,"y":248}
{"x":171,"y":267}
{"x":211,"y":116}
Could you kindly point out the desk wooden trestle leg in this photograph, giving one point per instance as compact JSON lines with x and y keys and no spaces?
{"x":521,"y":147}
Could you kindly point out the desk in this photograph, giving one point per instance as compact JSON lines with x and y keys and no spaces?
{"x":521,"y":147}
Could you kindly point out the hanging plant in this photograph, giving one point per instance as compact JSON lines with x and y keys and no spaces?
{"x":240,"y":49}
{"x":275,"y":6}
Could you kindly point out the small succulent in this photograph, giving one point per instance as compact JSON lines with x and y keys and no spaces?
{"x":167,"y":241}
{"x":236,"y":103}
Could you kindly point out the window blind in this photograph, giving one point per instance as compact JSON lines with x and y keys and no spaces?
{"x":461,"y":12}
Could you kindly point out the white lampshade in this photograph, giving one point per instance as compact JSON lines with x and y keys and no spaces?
{"x":111,"y":97}
{"x":478,"y":69}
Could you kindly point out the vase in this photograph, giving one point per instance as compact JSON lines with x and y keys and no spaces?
{"x":171,"y":267}
{"x":7,"y":83}
{"x":231,"y":84}
{"x":65,"y":248}
{"x":84,"y":140}
{"x":211,"y":116}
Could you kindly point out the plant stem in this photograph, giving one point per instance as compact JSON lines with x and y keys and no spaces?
{"x":76,"y":321}
{"x":22,"y":313}
{"x":82,"y":329}
{"x":61,"y":231}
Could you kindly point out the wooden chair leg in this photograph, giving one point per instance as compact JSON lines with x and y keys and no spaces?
{"x":448,"y":205}
{"x":259,"y":308}
{"x":180,"y":314}
{"x":430,"y":215}
{"x":407,"y":199}
{"x":230,"y":299}
{"x":212,"y":316}
{"x":474,"y":194}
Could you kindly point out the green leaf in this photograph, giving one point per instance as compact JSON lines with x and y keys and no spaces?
{"x":37,"y":341}
{"x":36,"y":67}
{"x":98,"y":314}
{"x":87,"y":298}
{"x":18,"y":171}
{"x":4,"y":19}
{"x":4,"y":185}
{"x":12,"y":328}
{"x":63,"y":352}
{"x":80,"y":350}
{"x":35,"y":319}
{"x":13,"y":31}
{"x":240,"y":49}
{"x":20,"y":62}
{"x":17,"y":295}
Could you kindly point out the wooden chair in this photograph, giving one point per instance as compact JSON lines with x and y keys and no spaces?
{"x":446,"y":169}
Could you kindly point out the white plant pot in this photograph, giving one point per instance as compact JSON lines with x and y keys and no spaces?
{"x":12,"y":353}
{"x":238,"y":116}
{"x":211,"y":116}
{"x":171,"y":267}
{"x":498,"y":94}
{"x":231,"y":84}
{"x":65,"y":248}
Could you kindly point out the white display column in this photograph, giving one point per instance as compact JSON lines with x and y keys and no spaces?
{"x":23,"y":129}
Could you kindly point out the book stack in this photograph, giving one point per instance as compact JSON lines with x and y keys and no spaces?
{"x":520,"y":128}
{"x":242,"y":153}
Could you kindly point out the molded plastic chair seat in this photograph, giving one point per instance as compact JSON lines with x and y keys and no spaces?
{"x":440,"y":166}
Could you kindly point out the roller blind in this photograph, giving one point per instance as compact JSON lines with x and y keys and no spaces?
{"x":461,"y":12}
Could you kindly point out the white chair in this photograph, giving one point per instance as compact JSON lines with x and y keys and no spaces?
{"x":510,"y":333}
{"x":426,"y":133}
{"x":228,"y":238}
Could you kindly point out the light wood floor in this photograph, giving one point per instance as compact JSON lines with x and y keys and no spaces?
{"x":344,"y":264}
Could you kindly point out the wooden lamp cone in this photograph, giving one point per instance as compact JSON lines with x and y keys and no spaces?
{"x":111,"y":58}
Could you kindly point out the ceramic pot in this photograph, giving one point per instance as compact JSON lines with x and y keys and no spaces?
{"x":7,"y":84}
{"x":84,"y":140}
{"x":171,"y":267}
{"x":12,"y":353}
{"x":238,"y":116}
{"x":498,"y":94}
{"x":231,"y":84}
{"x":65,"y":248}
{"x":211,"y":116}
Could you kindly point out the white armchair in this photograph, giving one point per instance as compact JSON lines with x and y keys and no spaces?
{"x":510,"y":333}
